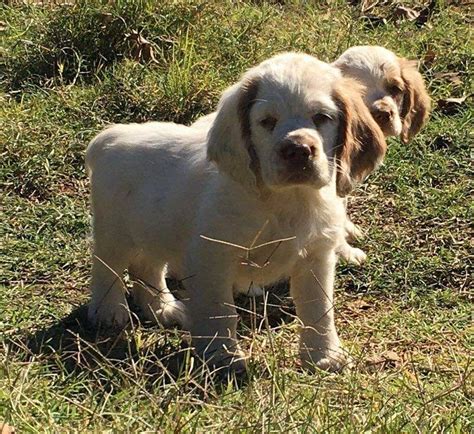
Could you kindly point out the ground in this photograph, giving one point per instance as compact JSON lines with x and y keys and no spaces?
{"x":70,"y":69}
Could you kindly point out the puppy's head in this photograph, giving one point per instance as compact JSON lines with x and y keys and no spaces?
{"x":294,"y":121}
{"x":396,"y":94}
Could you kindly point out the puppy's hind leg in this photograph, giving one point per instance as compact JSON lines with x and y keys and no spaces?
{"x":152,"y":296}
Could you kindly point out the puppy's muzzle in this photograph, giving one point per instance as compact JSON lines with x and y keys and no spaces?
{"x":297,"y":155}
{"x":382,"y":112}
{"x":385,"y":114}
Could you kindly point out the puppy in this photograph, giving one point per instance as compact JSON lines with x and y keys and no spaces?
{"x":254,"y":200}
{"x":396,"y":97}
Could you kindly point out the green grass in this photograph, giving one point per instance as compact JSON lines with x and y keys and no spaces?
{"x":405,"y":315}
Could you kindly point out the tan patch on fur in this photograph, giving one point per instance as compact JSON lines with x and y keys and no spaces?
{"x":249,"y":91}
{"x":416,"y":102}
{"x":248,"y":94}
{"x":361,"y":144}
{"x":393,"y":79}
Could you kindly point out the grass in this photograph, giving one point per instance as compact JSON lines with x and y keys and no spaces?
{"x":406,"y":316}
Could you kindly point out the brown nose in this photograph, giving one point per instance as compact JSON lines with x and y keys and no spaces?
{"x":382,"y":114}
{"x":297,"y":152}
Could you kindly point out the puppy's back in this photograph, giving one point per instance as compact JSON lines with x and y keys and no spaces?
{"x":135,"y":140}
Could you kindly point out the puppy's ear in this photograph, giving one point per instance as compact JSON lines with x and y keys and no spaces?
{"x":416,"y":102}
{"x":229,"y":142}
{"x":361,"y":145}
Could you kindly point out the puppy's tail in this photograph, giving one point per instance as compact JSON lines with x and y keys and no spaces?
{"x":97,"y":146}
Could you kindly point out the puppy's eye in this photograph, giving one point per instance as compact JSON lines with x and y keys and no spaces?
{"x":268,"y":123}
{"x":320,"y":119}
{"x":394,"y":90}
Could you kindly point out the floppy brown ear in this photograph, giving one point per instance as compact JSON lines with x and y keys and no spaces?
{"x":416,"y":102}
{"x":228,"y":142}
{"x":361,"y":144}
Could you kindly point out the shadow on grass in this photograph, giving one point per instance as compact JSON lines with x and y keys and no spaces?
{"x":141,"y":353}
{"x":74,"y":346}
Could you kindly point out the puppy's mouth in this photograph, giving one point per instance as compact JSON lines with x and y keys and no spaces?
{"x":300,"y":175}
{"x":390,"y":127}
{"x":308,"y":174}
{"x":389,"y":130}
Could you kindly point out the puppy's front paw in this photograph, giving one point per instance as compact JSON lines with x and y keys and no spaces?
{"x":113,"y":315}
{"x":331,"y":364}
{"x":355,"y":256}
{"x":352,"y":254}
{"x":232,"y":364}
{"x":224,"y":359}
{"x":331,"y":361}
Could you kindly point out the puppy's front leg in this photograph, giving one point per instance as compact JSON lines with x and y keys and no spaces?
{"x":211,"y":314}
{"x":312,"y":285}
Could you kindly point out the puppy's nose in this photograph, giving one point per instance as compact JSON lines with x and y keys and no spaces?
{"x":297,"y":152}
{"x":383,"y":114}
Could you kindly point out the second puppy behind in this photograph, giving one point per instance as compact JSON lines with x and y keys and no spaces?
{"x":396,"y":97}
{"x":395,"y":91}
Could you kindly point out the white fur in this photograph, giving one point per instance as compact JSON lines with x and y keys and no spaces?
{"x":155,"y":194}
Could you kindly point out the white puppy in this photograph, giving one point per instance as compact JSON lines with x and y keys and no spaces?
{"x":255,"y":201}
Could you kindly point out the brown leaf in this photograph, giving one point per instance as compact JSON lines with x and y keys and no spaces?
{"x":359,"y":304}
{"x":453,"y":77}
{"x":450,"y":106}
{"x":375,"y":360}
{"x":401,"y":13}
{"x":388,"y":359}
{"x":142,"y":49}
{"x":391,"y":356}
{"x":430,"y":57}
